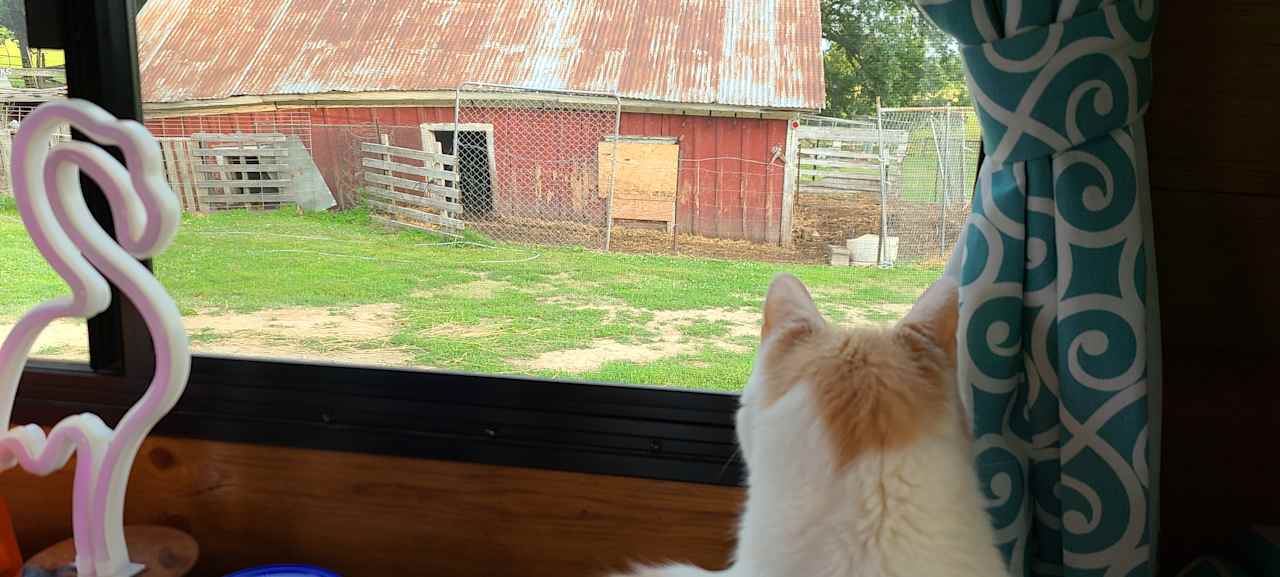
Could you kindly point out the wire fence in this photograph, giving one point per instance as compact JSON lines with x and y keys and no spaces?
{"x":534,"y":166}
{"x":11,"y":116}
{"x":886,"y":189}
{"x":927,"y":197}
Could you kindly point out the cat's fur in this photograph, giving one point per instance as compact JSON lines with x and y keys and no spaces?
{"x":857,"y":451}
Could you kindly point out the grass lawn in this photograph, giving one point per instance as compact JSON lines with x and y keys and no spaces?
{"x":338,"y":287}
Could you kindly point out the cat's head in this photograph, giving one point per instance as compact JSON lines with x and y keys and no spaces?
{"x":824,"y":396}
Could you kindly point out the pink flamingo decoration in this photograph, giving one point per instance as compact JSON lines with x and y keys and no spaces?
{"x":146,"y":214}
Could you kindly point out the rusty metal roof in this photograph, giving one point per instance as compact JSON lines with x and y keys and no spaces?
{"x":756,"y":53}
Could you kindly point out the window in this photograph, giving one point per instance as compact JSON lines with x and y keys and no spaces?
{"x":422,"y":264}
{"x":28,"y":78}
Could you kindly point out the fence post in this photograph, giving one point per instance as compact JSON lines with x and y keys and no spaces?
{"x":946,"y":181}
{"x":613,"y":172}
{"x":790,"y":173}
{"x":385,"y":140}
{"x":884,"y":176}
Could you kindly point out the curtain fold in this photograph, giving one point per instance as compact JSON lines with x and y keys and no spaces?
{"x":1059,"y":340}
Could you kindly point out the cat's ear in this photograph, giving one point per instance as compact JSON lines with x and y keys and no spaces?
{"x":935,"y":316}
{"x":788,"y":305}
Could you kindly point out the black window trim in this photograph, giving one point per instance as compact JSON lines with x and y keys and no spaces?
{"x":592,"y":428}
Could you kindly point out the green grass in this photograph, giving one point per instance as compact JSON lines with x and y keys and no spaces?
{"x":713,"y":369}
{"x":705,"y":328}
{"x":921,"y":181}
{"x":25,"y":278}
{"x":464,"y":307}
{"x":204,"y":336}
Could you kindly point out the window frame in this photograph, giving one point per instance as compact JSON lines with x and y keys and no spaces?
{"x":607,"y":429}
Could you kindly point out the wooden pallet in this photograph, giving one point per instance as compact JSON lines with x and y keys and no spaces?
{"x":240,"y":171}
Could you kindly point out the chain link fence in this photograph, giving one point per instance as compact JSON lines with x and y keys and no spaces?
{"x":887,"y":189}
{"x":534,"y":166}
{"x":927,"y":193}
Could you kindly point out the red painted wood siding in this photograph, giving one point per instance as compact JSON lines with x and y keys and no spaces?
{"x":730,"y":179}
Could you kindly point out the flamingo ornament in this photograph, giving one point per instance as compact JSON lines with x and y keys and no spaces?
{"x":46,"y":188}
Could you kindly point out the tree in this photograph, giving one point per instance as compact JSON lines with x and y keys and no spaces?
{"x":13,"y":16}
{"x":886,"y":49}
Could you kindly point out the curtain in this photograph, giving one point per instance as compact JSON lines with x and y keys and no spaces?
{"x":1060,"y":367}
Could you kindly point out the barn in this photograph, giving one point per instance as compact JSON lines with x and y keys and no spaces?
{"x":666,"y":112}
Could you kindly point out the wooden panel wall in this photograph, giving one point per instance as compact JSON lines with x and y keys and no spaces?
{"x":364,"y":515}
{"x":1214,"y":131}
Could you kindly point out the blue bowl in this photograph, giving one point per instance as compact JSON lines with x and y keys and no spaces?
{"x":284,"y":571}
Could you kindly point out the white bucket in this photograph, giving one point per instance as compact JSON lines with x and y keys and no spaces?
{"x":863,"y":250}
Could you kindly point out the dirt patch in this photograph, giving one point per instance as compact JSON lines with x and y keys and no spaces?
{"x":543,"y":231}
{"x":669,"y":339}
{"x":601,"y":352}
{"x":631,"y":240}
{"x":476,"y":289}
{"x":819,"y":220}
{"x":826,"y":219}
{"x":646,"y":241}
{"x":881,"y":314}
{"x":63,"y":339}
{"x":926,"y":230}
{"x":613,"y":310}
{"x":353,"y":335}
{"x":741,"y":322}
{"x":459,"y":331}
{"x":363,"y":322}
{"x":553,"y":283}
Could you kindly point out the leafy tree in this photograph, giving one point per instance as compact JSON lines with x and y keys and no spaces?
{"x":13,"y":16}
{"x":886,"y":49}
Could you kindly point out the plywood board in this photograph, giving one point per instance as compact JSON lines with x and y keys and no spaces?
{"x":646,"y":179}
{"x":644,"y":209}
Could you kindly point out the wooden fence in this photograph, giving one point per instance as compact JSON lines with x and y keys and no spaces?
{"x":836,"y":159}
{"x":412,"y":188}
{"x":6,"y":156}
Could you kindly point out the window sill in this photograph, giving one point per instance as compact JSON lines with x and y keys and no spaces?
{"x":592,"y":428}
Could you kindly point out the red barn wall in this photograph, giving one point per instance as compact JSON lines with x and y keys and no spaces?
{"x":730,"y":181}
{"x":730,"y":174}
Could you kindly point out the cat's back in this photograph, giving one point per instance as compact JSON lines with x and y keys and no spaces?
{"x":932,"y":515}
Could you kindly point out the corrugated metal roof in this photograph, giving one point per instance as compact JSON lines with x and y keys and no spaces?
{"x":758,"y":53}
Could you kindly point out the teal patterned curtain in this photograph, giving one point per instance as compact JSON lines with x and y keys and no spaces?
{"x":1058,"y":331}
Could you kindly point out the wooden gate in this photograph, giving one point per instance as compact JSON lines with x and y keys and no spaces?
{"x":836,"y":159}
{"x":412,"y":188}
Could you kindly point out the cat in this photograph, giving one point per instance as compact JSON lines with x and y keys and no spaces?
{"x":857,"y":450}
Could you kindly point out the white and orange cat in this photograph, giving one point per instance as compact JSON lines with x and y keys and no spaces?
{"x":857,"y":450}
